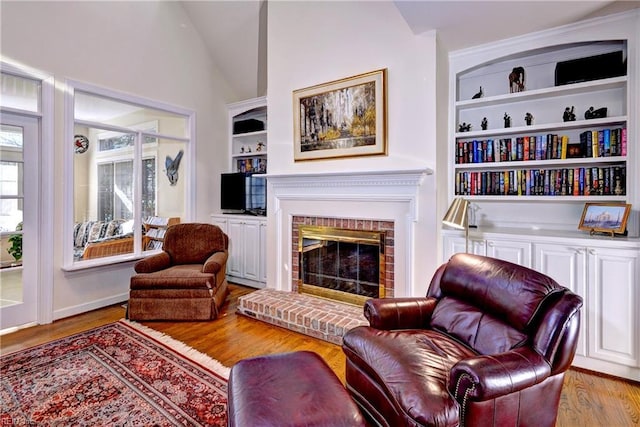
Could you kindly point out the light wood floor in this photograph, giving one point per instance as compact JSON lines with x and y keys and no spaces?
{"x":587,"y":399}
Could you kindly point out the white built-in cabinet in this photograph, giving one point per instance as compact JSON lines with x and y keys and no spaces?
{"x":604,"y":271}
{"x":247,"y":248}
{"x":534,"y":223}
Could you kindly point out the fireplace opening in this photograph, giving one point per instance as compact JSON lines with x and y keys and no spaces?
{"x":341,"y":264}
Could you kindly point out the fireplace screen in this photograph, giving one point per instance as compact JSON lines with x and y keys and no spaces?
{"x":341,"y":264}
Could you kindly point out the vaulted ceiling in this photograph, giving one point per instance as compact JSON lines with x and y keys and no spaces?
{"x":235,"y":31}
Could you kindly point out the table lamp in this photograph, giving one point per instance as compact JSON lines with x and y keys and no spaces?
{"x":457,"y":217}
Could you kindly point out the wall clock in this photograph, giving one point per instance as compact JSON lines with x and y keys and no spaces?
{"x":81,"y":143}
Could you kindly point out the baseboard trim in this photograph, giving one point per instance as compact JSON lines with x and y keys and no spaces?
{"x":90,"y":306}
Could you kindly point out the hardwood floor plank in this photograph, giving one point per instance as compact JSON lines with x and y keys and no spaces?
{"x":588,"y":399}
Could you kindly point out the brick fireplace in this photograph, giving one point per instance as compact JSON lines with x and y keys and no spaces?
{"x":383,"y":199}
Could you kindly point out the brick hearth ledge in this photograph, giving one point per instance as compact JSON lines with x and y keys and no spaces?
{"x":316,"y":317}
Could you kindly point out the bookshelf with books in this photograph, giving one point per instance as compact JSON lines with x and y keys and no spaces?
{"x":560,"y":141}
{"x":248,"y":136}
{"x":529,"y":160}
{"x":154,"y":229}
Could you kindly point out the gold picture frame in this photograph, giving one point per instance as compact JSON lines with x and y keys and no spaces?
{"x":609,"y":218}
{"x":342,"y":118}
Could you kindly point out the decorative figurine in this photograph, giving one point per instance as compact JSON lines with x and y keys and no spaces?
{"x":507,"y":120}
{"x":484,"y":124}
{"x":569,"y":115}
{"x":464,"y":127}
{"x":172,"y":166}
{"x":516,"y":80}
{"x":260,"y":146}
{"x":241,"y":150}
{"x":479,"y":94}
{"x":595,"y":114}
{"x":528,"y":119}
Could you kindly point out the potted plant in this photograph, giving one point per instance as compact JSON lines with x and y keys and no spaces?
{"x":15,"y":250}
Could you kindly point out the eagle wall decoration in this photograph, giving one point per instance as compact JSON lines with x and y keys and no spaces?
{"x":172,"y":166}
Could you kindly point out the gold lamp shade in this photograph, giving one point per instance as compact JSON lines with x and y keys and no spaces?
{"x":457,"y":217}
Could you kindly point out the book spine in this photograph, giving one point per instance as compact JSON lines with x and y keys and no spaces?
{"x":600,"y":143}
{"x":555,"y":148}
{"x":615,"y":142}
{"x":623,"y":142}
{"x":519,"y":148}
{"x":563,"y":149}
{"x":606,"y":138}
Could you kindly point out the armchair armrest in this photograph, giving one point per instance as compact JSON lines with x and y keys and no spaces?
{"x":155,"y":262}
{"x":399,"y":313}
{"x":215,"y":262}
{"x":489,"y":376}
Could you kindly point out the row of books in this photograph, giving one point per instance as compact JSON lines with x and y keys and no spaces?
{"x":593,"y":143}
{"x":604,"y":143}
{"x":252,"y":165}
{"x":157,"y":233}
{"x":582,"y":181}
{"x":156,"y":220}
{"x":153,"y":245}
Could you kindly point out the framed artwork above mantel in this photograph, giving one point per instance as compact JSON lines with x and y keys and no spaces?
{"x":342,"y":118}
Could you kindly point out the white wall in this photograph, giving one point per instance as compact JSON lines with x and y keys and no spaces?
{"x":147,"y":49}
{"x":316,"y":42}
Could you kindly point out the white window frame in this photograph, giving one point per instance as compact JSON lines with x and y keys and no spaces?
{"x":189,"y":172}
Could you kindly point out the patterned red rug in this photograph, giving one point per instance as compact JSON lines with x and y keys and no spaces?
{"x":120,"y":374}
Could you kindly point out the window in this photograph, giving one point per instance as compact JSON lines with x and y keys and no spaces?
{"x":118,"y":178}
{"x":11,"y":178}
{"x":115,"y":189}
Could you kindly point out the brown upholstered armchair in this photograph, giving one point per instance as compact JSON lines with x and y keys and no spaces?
{"x":186,"y":281}
{"x":488,"y":346}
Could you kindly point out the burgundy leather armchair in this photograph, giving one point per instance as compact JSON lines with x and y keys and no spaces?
{"x":488,"y":346}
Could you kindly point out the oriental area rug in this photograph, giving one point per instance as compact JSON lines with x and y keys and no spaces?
{"x":120,"y":374}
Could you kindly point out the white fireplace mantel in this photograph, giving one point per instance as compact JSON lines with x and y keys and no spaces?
{"x":380,"y":195}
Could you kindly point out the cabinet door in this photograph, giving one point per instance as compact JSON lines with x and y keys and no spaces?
{"x":613,"y":305}
{"x":220,"y":222}
{"x":456,"y":244}
{"x":251,"y":246}
{"x":567,"y":266}
{"x":517,"y":252}
{"x":235,"y":233}
{"x":263,"y":251}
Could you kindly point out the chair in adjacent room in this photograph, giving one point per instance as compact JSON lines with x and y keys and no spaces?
{"x":488,"y":346}
{"x":186,"y":281}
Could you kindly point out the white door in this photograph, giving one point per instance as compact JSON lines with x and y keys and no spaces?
{"x":19,"y":204}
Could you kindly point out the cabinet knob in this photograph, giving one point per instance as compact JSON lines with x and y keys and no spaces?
{"x":490,"y":244}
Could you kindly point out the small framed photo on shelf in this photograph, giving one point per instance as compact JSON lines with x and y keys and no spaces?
{"x":609,"y":218}
{"x":342,"y":118}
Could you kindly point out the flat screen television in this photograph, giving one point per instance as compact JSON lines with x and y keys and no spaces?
{"x":243,"y":193}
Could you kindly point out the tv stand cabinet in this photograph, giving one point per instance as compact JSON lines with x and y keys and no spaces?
{"x":247,"y":248}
